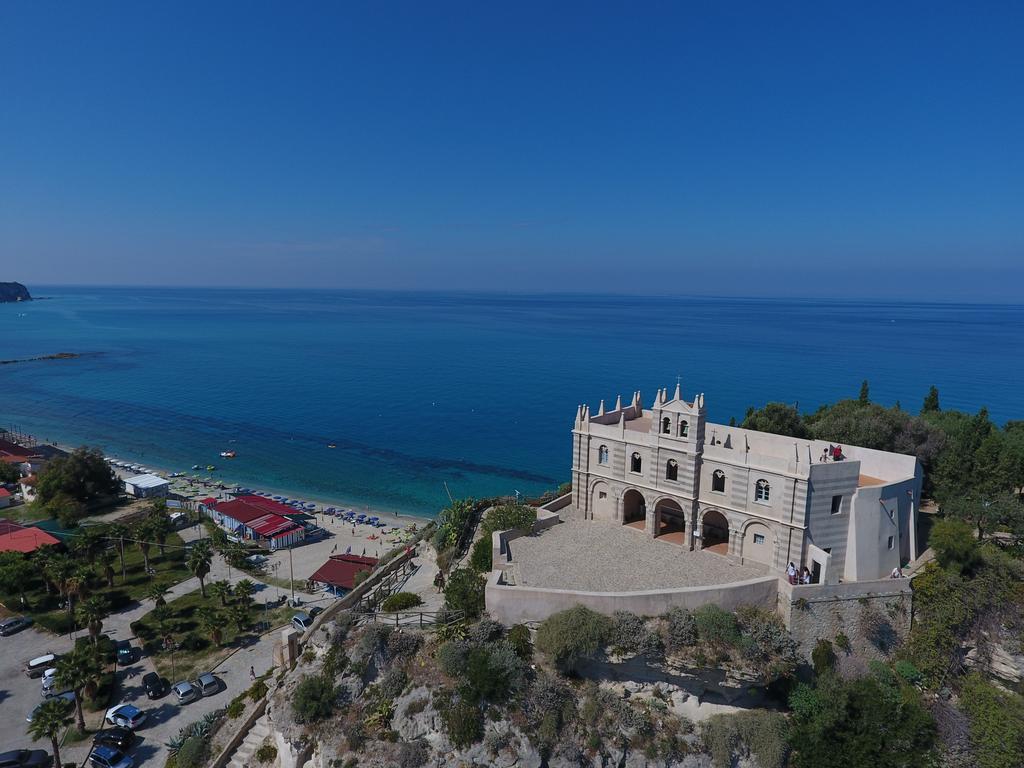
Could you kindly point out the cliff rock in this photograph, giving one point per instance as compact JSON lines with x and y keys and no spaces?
{"x":13,"y":292}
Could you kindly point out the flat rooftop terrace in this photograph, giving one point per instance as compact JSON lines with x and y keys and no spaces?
{"x":602,"y":557}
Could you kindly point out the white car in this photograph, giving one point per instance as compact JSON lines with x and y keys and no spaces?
{"x":49,"y":681}
{"x":126,"y":716}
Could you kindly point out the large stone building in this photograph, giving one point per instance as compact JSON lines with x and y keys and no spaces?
{"x":747,"y":495}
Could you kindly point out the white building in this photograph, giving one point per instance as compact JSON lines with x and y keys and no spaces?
{"x":147,"y":486}
{"x":749,"y":495}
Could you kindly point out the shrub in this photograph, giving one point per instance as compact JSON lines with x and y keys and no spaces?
{"x":266,"y":753}
{"x":548,"y":705}
{"x":955,"y":546}
{"x":192,"y":753}
{"x":373,"y":641}
{"x":403,"y":644}
{"x":314,"y":699}
{"x":451,"y":657}
{"x":762,"y":734}
{"x":508,"y":517}
{"x":908,"y":672}
{"x":400,"y":601}
{"x":996,"y":723}
{"x":843,"y":642}
{"x":257,"y":690}
{"x":481,"y":556}
{"x":570,"y":635}
{"x":392,"y":684}
{"x":484,"y":631}
{"x":465,"y":592}
{"x":235,"y":708}
{"x":630,"y":634}
{"x":823,"y":657}
{"x":519,"y":640}
{"x":416,"y":706}
{"x":463,"y":723}
{"x":413,"y":754}
{"x":681,"y":630}
{"x":766,"y":643}
{"x":716,"y":628}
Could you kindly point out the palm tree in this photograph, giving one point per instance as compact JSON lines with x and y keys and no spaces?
{"x":160,"y":527}
{"x":239,"y":615}
{"x":105,"y":559}
{"x":93,"y":611}
{"x":77,"y":671}
{"x":49,"y":722}
{"x":43,"y":559}
{"x":141,"y":532}
{"x":211,"y":621}
{"x":200,"y":558}
{"x":244,"y":590}
{"x":160,"y":615}
{"x":77,"y":585}
{"x":156,"y":592}
{"x":118,"y":532}
{"x":59,"y":570}
{"x":221,"y":589}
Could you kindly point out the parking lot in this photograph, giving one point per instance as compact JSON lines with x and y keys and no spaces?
{"x":19,"y":694}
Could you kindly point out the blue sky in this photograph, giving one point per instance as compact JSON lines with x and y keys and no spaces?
{"x":847,"y":149}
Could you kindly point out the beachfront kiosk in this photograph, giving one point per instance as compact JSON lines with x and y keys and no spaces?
{"x":147,"y":487}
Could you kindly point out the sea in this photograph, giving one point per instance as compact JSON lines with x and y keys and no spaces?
{"x":393,"y":400}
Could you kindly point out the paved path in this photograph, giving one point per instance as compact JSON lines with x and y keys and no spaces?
{"x":598,"y":557}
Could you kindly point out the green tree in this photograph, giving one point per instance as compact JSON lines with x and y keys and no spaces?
{"x":199,"y":562}
{"x":83,"y":476}
{"x":863,"y":398}
{"x":49,"y":722}
{"x":157,"y":592}
{"x":481,"y":554}
{"x":77,"y":671}
{"x":464,"y":591}
{"x":238,"y":614}
{"x":996,"y":723}
{"x":105,"y":560}
{"x":314,"y":699}
{"x":862,"y":723}
{"x":9,"y":473}
{"x":142,"y":532}
{"x":15,"y":573}
{"x":118,"y":532}
{"x":244,"y":591}
{"x":92,"y":611}
{"x":211,"y":621}
{"x":954,"y":544}
{"x":160,"y":525}
{"x":222,"y":590}
{"x":573,"y":634}
{"x":777,"y":418}
{"x":931,"y":401}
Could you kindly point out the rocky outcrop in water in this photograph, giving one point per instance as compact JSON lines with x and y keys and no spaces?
{"x":10,"y":292}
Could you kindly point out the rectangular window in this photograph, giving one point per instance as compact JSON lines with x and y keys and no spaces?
{"x":892,"y":542}
{"x":758,"y":538}
{"x":837,"y":504}
{"x":602,"y":495}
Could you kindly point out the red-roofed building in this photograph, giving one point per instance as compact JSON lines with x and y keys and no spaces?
{"x":338,"y":574}
{"x":21,"y":538}
{"x":256,"y":519}
{"x":5,"y":498}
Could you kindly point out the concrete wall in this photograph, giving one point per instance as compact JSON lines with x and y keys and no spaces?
{"x":515,"y":605}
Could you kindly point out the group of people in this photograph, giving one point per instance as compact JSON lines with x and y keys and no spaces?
{"x":798,"y":576}
{"x":833,"y":452}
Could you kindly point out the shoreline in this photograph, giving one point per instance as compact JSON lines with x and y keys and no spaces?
{"x":199,"y":489}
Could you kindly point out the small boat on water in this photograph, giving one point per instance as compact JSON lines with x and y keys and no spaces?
{"x":196,"y":466}
{"x":227,"y":454}
{"x":331,"y":445}
{"x":210,"y":467}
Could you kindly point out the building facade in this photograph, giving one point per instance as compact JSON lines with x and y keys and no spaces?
{"x":847,"y":516}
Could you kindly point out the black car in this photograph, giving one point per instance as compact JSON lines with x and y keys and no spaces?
{"x":118,"y":738}
{"x":26,"y":758}
{"x":125,"y":652}
{"x":155,"y":685}
{"x":315,"y":611}
{"x":16,"y":624}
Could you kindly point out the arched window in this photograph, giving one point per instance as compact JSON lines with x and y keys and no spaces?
{"x":718,"y":481}
{"x":666,"y":426}
{"x":671,"y":470}
{"x":602,"y":454}
{"x":635,"y":463}
{"x":684,"y":428}
{"x":762,"y":491}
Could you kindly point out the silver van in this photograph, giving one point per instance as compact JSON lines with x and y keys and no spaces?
{"x":40,"y":664}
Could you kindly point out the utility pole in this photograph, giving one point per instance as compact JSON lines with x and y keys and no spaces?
{"x":291,"y":575}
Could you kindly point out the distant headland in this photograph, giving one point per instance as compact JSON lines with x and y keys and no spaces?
{"x":10,"y":292}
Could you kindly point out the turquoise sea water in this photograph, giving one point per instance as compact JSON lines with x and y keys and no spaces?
{"x":473,"y":389}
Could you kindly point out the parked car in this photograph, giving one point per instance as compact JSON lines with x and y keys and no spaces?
{"x":155,"y":685}
{"x":126,"y":716}
{"x":125,"y":652}
{"x":315,"y":611}
{"x":302,"y":621}
{"x":9,"y":627}
{"x":35,"y":667}
{"x":118,"y":738}
{"x":185,"y":692}
{"x":68,"y":696}
{"x":105,"y":756}
{"x":206,"y":684}
{"x":49,"y":681}
{"x":26,"y":758}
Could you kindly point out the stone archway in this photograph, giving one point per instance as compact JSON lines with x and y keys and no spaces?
{"x":602,"y":502}
{"x":634,"y":509}
{"x":714,"y":532}
{"x":759,"y":544}
{"x":670,"y":521}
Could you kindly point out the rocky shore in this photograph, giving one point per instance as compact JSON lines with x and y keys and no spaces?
{"x":11,"y":292}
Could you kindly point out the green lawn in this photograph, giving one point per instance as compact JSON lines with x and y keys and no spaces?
{"x":196,"y":651}
{"x":45,"y":608}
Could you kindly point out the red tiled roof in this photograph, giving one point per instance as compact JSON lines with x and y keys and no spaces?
{"x":341,"y":570}
{"x":4,"y":493}
{"x":20,"y":538}
{"x":263,"y":521}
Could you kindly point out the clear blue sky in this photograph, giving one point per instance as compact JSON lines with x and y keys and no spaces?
{"x":838,"y":148}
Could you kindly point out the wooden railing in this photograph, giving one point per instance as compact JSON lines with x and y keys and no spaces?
{"x":420,"y":619}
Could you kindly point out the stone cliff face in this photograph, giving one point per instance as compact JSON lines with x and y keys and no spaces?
{"x":14,"y":292}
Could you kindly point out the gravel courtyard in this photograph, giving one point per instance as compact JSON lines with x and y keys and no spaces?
{"x":596,"y":557}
